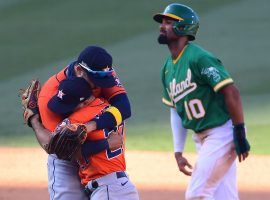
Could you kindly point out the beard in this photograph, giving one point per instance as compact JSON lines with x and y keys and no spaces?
{"x":162,"y":39}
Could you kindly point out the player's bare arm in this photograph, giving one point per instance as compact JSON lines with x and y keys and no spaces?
{"x":29,"y":98}
{"x":233,"y":103}
{"x":42,"y":134}
{"x":234,"y":106}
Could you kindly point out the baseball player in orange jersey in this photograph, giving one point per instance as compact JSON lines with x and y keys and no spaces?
{"x":95,"y":65}
{"x":104,"y":173}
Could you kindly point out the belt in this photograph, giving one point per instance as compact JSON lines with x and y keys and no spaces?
{"x":107,"y":179}
{"x":120,"y":174}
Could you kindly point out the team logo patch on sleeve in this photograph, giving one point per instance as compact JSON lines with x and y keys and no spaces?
{"x":211,"y":72}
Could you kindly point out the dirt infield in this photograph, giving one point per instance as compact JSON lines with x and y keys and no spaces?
{"x":23,"y":175}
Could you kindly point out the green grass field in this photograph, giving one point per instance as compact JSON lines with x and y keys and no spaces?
{"x":40,"y":37}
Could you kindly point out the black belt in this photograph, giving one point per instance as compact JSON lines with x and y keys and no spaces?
{"x":95,"y":183}
{"x":121,"y":174}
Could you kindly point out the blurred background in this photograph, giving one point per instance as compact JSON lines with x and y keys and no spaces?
{"x":38,"y":38}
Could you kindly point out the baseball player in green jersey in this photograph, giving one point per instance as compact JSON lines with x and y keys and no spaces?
{"x":203,"y":98}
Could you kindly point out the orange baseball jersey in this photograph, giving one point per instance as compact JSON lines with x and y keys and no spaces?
{"x":49,"y":119}
{"x":106,"y":161}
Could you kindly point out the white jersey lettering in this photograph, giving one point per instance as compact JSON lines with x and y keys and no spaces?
{"x":180,"y":90}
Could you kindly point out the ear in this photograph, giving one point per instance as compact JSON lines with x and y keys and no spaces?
{"x":78,"y":71}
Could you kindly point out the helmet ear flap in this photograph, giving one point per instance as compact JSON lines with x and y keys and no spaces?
{"x":189,"y":30}
{"x":176,"y":29}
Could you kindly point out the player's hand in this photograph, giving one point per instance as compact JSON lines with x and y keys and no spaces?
{"x":243,"y":156}
{"x":183,"y":164}
{"x":115,"y":141}
{"x":241,"y":143}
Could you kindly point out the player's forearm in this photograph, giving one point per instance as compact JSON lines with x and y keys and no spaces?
{"x":43,"y":135}
{"x":233,"y":104}
{"x":90,"y":147}
{"x":113,"y":142}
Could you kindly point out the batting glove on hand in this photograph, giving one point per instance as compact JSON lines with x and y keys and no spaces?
{"x":242,"y":146}
{"x":29,"y":99}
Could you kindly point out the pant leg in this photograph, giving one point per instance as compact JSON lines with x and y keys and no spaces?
{"x":122,"y":189}
{"x":215,"y":158}
{"x":227,"y":189}
{"x":63,"y":180}
{"x":101,"y":193}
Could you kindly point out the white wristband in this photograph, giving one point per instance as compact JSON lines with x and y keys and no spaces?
{"x":178,"y":131}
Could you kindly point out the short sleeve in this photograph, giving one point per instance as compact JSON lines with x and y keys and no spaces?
{"x":109,"y":93}
{"x":211,"y":70}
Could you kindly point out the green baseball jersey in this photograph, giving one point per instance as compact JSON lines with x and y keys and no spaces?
{"x":191,"y":83}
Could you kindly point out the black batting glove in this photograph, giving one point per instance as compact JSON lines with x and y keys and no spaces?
{"x":239,"y":137}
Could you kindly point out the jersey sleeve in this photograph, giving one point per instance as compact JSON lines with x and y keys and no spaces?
{"x":166,"y":99}
{"x":109,"y":93}
{"x":49,"y":119}
{"x":211,"y":70}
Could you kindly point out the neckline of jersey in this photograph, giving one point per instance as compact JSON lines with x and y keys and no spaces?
{"x":180,"y":54}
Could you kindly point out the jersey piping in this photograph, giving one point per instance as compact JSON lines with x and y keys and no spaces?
{"x":222,"y":84}
{"x":179,"y":56}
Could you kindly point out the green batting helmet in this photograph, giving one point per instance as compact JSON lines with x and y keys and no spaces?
{"x":184,"y":17}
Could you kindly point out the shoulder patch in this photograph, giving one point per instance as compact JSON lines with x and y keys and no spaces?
{"x":211,"y":72}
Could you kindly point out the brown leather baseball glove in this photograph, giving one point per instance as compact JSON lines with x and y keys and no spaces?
{"x":29,"y":99}
{"x":66,"y":142}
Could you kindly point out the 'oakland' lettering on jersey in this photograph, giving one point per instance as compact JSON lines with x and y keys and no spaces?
{"x":180,"y":90}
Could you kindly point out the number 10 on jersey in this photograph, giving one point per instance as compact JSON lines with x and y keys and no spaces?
{"x":194,"y":109}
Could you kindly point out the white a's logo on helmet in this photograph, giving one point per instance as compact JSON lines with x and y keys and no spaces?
{"x":60,"y":94}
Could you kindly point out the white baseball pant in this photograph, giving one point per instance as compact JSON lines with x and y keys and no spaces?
{"x":214,"y":174}
{"x":64,"y":182}
{"x":114,"y":186}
